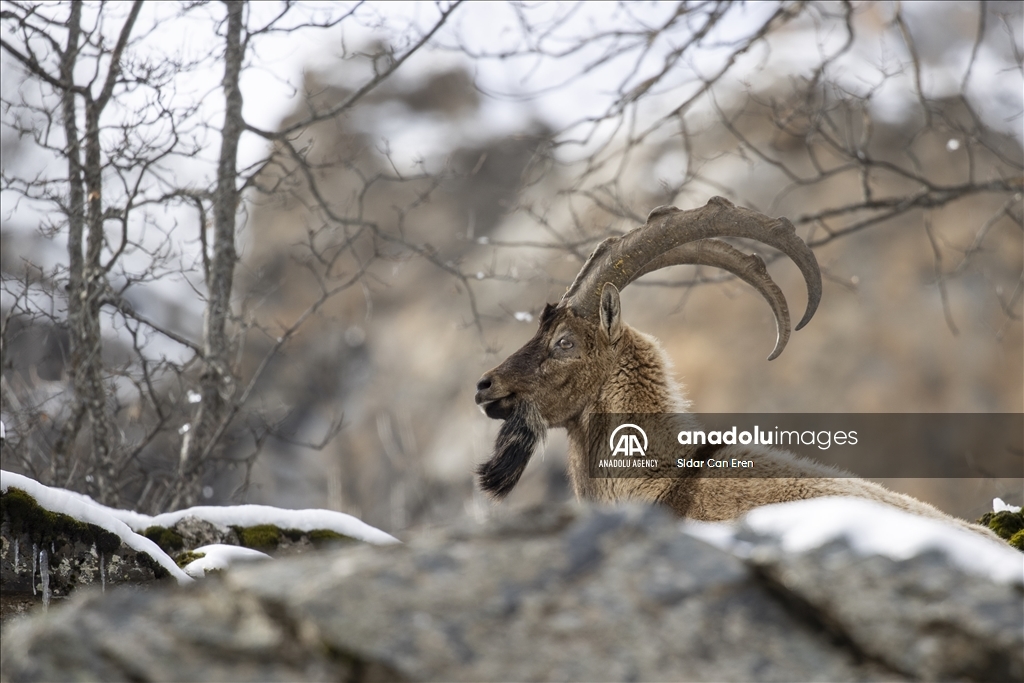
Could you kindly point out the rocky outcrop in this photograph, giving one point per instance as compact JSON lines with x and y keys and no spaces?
{"x":921,"y":616}
{"x":46,"y":554}
{"x":559,"y":593}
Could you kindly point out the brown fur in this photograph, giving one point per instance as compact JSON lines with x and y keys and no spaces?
{"x":574,"y":369}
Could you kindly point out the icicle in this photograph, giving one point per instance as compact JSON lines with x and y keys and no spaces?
{"x":35,"y":555}
{"x":103,"y":571}
{"x":44,"y":574}
{"x":16,"y":548}
{"x":99,"y":556}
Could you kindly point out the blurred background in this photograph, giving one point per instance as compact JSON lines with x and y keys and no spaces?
{"x":262,"y":253}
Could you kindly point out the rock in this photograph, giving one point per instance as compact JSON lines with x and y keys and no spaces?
{"x":77,"y":554}
{"x":557,"y":593}
{"x":80,"y":554}
{"x":197,"y":532}
{"x":188,"y":636}
{"x":922,"y":616}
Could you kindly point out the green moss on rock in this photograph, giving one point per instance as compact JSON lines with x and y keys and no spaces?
{"x":270,"y":537}
{"x":107,"y":542}
{"x":322,"y":536}
{"x":26,"y":517}
{"x":1009,"y":526}
{"x":169,"y":540}
{"x":259,"y":537}
{"x":147,"y":562}
{"x":188,"y":557}
{"x":1004,"y":523}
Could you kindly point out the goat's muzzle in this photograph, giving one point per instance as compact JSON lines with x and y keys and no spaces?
{"x":493,"y":401}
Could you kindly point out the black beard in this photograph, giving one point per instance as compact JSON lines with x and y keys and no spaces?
{"x":518,"y":438}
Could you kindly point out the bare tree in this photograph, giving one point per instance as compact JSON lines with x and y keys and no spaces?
{"x":217,"y":382}
{"x":106,"y":109}
{"x":85,"y":214}
{"x":708,"y":80}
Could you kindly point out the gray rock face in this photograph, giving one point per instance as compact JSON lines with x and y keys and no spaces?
{"x":71,"y":564}
{"x":196,"y":532}
{"x":554,"y":594}
{"x":919,"y":616}
{"x":46,"y":555}
{"x":81,"y":555}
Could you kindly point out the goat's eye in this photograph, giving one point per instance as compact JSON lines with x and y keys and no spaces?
{"x":564,"y":343}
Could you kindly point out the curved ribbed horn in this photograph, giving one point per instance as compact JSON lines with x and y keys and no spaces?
{"x":748,"y":267}
{"x":675,"y":237}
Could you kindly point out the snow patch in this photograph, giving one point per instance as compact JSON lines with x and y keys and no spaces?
{"x":237,"y":515}
{"x":125,"y":523}
{"x":873,"y":528}
{"x":303,"y":520}
{"x":870,"y":528}
{"x":999,"y":506}
{"x":722,"y":535}
{"x":219,"y":556}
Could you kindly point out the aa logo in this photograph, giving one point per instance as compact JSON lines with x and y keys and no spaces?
{"x":628,"y":443}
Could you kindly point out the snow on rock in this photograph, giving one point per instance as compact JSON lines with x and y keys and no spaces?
{"x":873,"y":528}
{"x":722,"y":535}
{"x":219,"y":556}
{"x":999,"y":506}
{"x":125,"y":523}
{"x":303,"y":520}
{"x":137,"y":521}
{"x":59,"y":500}
{"x":237,"y":515}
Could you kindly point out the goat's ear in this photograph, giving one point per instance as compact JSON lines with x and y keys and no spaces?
{"x":611,"y":310}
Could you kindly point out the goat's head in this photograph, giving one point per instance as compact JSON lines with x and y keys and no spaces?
{"x":560,"y":371}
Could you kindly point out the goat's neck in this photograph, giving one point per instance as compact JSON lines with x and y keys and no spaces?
{"x":640,"y":381}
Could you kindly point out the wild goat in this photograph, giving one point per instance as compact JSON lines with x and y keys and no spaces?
{"x":585,"y":362}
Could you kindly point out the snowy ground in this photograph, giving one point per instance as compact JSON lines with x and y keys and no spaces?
{"x":219,"y":556}
{"x":870,"y":528}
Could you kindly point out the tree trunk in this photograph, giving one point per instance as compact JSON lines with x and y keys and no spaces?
{"x":217,"y":383}
{"x":84,"y":368}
